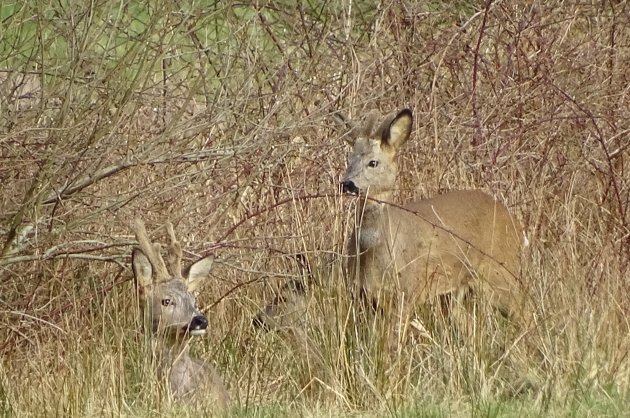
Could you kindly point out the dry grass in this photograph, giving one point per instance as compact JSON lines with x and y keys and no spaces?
{"x":217,"y":117}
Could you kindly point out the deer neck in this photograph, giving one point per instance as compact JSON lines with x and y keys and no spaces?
{"x":370,"y":217}
{"x":170,"y":349}
{"x":372,"y":203}
{"x":179,"y":368}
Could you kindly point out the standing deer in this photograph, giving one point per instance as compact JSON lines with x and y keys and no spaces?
{"x":170,"y":309}
{"x":402,"y":256}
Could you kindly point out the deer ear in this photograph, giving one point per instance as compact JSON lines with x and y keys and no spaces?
{"x":142,"y":269}
{"x":399,"y":129}
{"x":197,"y":273}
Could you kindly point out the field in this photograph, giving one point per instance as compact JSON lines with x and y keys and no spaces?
{"x":219,"y":116}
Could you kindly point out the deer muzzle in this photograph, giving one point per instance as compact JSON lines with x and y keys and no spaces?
{"x":198,"y":325}
{"x":348,"y":187}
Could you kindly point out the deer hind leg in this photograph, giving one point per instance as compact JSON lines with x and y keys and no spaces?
{"x":503,"y":291}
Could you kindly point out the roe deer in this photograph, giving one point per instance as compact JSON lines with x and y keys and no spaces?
{"x":170,"y":309}
{"x":290,"y":301}
{"x":449,"y":244}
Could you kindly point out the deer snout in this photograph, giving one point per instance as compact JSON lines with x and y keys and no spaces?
{"x":349,"y":187}
{"x":198,"y":325}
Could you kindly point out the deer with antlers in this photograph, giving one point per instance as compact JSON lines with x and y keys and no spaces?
{"x":170,"y":309}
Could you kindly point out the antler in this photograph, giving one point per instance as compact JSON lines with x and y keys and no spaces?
{"x":354,"y":130}
{"x":174,"y":257}
{"x":152,"y":251}
{"x":343,"y":122}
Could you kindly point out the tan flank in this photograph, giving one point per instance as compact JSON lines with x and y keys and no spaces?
{"x":170,"y":309}
{"x":402,"y":256}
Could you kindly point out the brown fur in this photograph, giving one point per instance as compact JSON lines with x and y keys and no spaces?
{"x":402,"y":256}
{"x":170,"y":309}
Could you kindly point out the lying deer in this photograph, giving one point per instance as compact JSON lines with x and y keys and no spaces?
{"x":170,"y":309}
{"x":449,"y":244}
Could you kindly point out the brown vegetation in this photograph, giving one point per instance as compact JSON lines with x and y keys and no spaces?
{"x":218,"y":118}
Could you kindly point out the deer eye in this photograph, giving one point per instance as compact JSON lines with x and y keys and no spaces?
{"x":373,"y":164}
{"x":166,"y":301}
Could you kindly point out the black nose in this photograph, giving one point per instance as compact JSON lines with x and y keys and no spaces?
{"x":198,"y":322}
{"x":349,"y":187}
